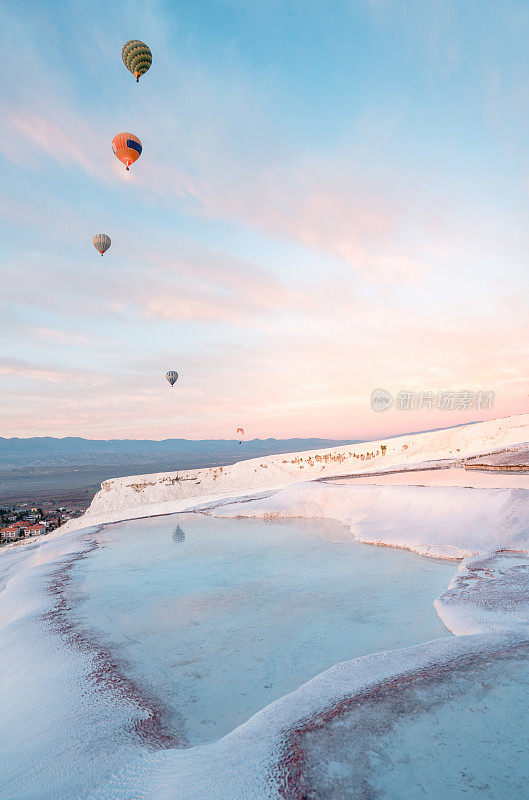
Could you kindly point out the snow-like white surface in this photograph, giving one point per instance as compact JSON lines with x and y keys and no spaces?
{"x":453,"y":476}
{"x":446,"y":522}
{"x":489,"y":593}
{"x":53,"y":728}
{"x":252,"y":762}
{"x":274,"y":753}
{"x":170,"y":492}
{"x":439,"y":734}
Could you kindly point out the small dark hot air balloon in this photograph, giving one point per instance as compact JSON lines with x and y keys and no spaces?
{"x":172,"y":376}
{"x":127,"y":148}
{"x":101,"y":242}
{"x":137,"y":57}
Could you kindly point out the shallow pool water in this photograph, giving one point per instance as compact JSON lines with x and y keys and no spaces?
{"x":219,"y":617}
{"x":460,"y":733}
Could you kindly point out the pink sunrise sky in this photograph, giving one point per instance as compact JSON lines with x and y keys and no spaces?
{"x":325,"y":204}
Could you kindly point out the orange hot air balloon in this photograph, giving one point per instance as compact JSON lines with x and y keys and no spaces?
{"x":127,"y":148}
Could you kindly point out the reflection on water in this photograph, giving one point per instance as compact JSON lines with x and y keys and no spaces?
{"x":178,"y":534}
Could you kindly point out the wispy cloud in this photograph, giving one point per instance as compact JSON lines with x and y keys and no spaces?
{"x":39,"y":373}
{"x":322,"y":206}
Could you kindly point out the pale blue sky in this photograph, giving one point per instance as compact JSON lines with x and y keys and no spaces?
{"x":332,"y":196}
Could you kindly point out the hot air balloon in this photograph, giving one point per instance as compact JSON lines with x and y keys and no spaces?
{"x":172,"y":376}
{"x":137,"y":57}
{"x":127,"y":148}
{"x":101,"y":242}
{"x":178,"y":534}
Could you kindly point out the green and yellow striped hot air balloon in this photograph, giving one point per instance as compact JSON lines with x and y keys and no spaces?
{"x":137,"y":57}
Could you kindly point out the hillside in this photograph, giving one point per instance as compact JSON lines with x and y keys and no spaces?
{"x":48,"y":471}
{"x":167,"y":492}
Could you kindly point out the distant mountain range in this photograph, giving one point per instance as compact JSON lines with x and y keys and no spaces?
{"x":48,"y":451}
{"x":50,"y":472}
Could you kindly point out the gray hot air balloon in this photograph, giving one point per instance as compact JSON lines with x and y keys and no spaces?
{"x":172,"y":376}
{"x":101,"y":242}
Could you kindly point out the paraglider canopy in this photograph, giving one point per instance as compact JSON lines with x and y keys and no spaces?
{"x":101,"y":242}
{"x":127,"y":147}
{"x":172,"y":376}
{"x":137,"y":57}
{"x":240,"y":430}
